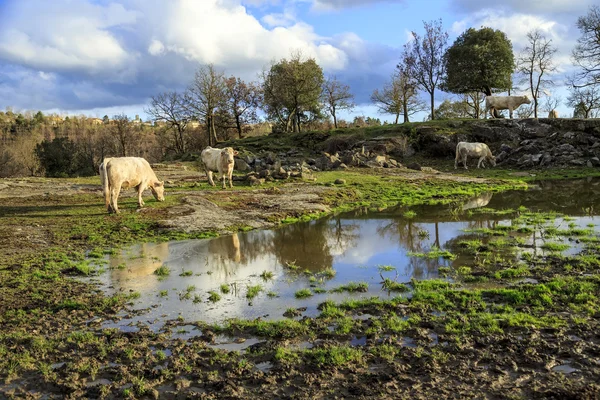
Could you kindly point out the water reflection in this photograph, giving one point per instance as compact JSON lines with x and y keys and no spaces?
{"x":354,"y":244}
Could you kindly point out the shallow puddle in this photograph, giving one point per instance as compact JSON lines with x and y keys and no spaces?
{"x":304,"y":264}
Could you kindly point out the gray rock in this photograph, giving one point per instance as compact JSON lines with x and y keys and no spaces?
{"x":536,"y":158}
{"x":589,"y":164}
{"x":505,"y":148}
{"x":241,"y":165}
{"x":577,"y":162}
{"x":415,"y":166}
{"x":340,"y":182}
{"x":595,"y":161}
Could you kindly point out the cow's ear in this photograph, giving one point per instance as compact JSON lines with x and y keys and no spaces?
{"x":159,"y":183}
{"x":235,"y":153}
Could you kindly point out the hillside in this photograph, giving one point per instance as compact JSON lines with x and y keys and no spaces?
{"x":525,"y":144}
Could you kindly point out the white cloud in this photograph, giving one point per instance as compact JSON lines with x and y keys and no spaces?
{"x":65,"y":36}
{"x":549,"y":7}
{"x":516,"y":27}
{"x":328,"y":5}
{"x":156,"y":48}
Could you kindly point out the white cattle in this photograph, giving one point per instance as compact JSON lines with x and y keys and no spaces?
{"x":553,"y":114}
{"x":481,"y":150}
{"x":218,"y":160}
{"x":509,"y":103}
{"x":127,"y":172}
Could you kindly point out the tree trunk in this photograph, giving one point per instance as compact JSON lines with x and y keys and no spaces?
{"x":238,"y":125}
{"x":298,"y":119}
{"x":432,"y":106}
{"x":334,"y":120}
{"x":214,"y":131}
{"x":397,"y":116}
{"x":405,"y":109}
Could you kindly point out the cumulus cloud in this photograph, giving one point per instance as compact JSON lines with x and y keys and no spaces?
{"x":327,"y":5}
{"x":549,"y":7}
{"x":516,"y":27}
{"x":137,"y":48}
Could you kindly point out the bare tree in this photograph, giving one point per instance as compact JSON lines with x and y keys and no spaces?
{"x":243,"y":100}
{"x":424,"y":58}
{"x":474,"y":102}
{"x":399,"y":96}
{"x":337,"y":96}
{"x":585,"y":100}
{"x":206,"y":94}
{"x":551,"y":102}
{"x":535,"y":62}
{"x":122,"y":131}
{"x":586,"y":54}
{"x":170,"y":108}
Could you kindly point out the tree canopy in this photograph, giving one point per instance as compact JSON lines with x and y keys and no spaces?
{"x":479,"y":60}
{"x":292,"y":91}
{"x":586,"y":54}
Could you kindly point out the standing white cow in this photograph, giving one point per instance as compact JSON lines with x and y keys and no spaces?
{"x":218,"y":160}
{"x":509,"y":103}
{"x":126,"y":172}
{"x":481,"y":150}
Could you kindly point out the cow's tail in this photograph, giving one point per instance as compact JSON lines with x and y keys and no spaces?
{"x":105,"y":186}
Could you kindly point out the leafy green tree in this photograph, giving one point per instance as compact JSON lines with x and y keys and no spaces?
{"x":479,"y":60}
{"x":60,"y":158}
{"x":424,"y":58}
{"x":292,"y":91}
{"x":586,"y":54}
{"x":452,"y":110}
{"x":243,"y":100}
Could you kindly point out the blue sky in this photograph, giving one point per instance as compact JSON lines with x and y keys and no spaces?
{"x":109,"y":56}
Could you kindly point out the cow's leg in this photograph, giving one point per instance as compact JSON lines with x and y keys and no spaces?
{"x":223,"y":178}
{"x":480,"y":161}
{"x":456,"y":159}
{"x":114,"y":196}
{"x":510,"y":110}
{"x":465,"y":161}
{"x":492,"y":112}
{"x":230,"y":180}
{"x":140,"y":189}
{"x":209,"y":174}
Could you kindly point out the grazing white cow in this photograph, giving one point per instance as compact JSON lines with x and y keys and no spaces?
{"x":481,"y":150}
{"x":509,"y":103}
{"x":553,"y":114}
{"x":126,"y":172}
{"x":218,"y":160}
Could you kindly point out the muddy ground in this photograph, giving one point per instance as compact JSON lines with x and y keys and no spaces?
{"x":443,"y":342}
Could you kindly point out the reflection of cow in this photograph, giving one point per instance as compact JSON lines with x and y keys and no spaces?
{"x":479,"y":201}
{"x":126,"y":267}
{"x":226,"y":247}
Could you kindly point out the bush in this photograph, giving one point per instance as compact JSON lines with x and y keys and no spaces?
{"x":60,"y":158}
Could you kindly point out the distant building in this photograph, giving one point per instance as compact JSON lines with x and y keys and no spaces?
{"x":95,"y":121}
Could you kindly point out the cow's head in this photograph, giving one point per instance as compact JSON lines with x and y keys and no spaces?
{"x":492,"y":160}
{"x":227,"y":155}
{"x":526,"y":100}
{"x":158,"y":190}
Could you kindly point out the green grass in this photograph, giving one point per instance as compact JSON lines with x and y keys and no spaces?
{"x":552,"y":246}
{"x":186,"y":273}
{"x":267,"y":275}
{"x":162,"y":271}
{"x":214,"y":296}
{"x":303,"y":293}
{"x":225,"y":288}
{"x":352,"y":287}
{"x":253,"y":291}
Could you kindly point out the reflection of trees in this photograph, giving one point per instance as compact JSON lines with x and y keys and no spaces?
{"x":151,"y":256}
{"x":312,"y":245}
{"x":408,"y":236}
